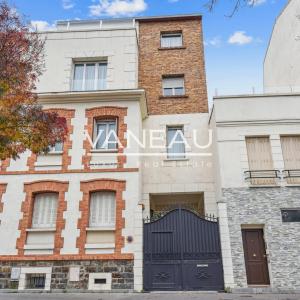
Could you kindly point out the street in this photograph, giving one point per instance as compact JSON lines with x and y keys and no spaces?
{"x":147,"y":296}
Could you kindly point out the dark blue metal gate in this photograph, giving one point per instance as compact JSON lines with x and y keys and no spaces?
{"x":182,"y":251}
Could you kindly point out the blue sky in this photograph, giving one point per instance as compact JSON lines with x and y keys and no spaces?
{"x":234,"y":47}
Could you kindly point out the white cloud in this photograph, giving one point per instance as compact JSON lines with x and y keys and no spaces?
{"x":240,"y":38}
{"x":67,"y":4}
{"x":117,"y":7}
{"x":215,"y":42}
{"x":42,"y":26}
{"x":256,"y":2}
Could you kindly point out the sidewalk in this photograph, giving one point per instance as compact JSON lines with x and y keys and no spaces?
{"x":148,"y":296}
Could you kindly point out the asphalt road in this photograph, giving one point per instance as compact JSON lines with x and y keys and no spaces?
{"x":151,"y":296}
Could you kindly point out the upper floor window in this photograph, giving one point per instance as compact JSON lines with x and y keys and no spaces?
{"x":105,"y":134}
{"x":44,"y":210}
{"x":102,"y":210}
{"x":57,"y":148}
{"x":260,"y":160}
{"x":89,"y":76}
{"x":175,"y":142}
{"x":171,"y":40}
{"x":291,"y":155}
{"x":173,"y":86}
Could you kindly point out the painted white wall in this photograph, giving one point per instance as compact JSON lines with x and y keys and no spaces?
{"x":191,"y":175}
{"x":119,"y":46}
{"x":281,"y":66}
{"x":235,"y":118}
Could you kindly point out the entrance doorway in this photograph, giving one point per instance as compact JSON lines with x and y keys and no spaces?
{"x":255,"y":257}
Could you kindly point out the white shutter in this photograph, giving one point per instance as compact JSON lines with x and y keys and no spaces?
{"x":291,"y":155}
{"x":45,"y":210}
{"x":102,"y":209}
{"x":260,"y":158}
{"x":171,"y":40}
{"x":177,"y":148}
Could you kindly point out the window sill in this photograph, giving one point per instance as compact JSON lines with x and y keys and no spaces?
{"x":41,"y":230}
{"x":104,"y":151}
{"x":176,"y":159}
{"x":54,"y":153}
{"x":47,"y":165}
{"x":39,"y":247}
{"x":172,"y":48}
{"x":100,"y":229}
{"x":264,"y":186}
{"x":173,"y":97}
{"x":100,"y":246}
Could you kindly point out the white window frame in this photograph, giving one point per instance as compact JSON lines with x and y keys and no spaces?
{"x":38,"y":221}
{"x":170,"y":35}
{"x":110,"y":215}
{"x":83,"y":84}
{"x":173,"y":89}
{"x":170,"y":155}
{"x":107,"y":122}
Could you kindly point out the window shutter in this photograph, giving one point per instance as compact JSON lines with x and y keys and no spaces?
{"x":102,"y":209}
{"x":44,"y":211}
{"x":291,"y":155}
{"x":260,"y":157}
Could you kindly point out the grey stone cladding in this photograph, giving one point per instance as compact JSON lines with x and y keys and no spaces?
{"x":263,"y":206}
{"x":121,"y":270}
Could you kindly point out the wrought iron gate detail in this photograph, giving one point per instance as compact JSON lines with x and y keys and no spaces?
{"x":182,"y":251}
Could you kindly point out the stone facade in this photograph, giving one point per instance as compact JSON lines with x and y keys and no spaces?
{"x":156,"y":62}
{"x":121,"y":270}
{"x":262,"y":206}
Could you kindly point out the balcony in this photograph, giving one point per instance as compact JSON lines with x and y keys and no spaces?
{"x":272,"y":177}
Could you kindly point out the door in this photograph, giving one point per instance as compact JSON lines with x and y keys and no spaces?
{"x":182,"y":251}
{"x":255,"y":257}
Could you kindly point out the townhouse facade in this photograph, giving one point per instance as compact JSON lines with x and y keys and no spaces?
{"x":72,"y":219}
{"x":150,"y":191}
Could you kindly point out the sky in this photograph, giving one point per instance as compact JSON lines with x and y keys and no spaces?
{"x":234,"y":46}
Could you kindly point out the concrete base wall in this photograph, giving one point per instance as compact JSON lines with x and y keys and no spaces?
{"x":262,"y":206}
{"x":120,"y":271}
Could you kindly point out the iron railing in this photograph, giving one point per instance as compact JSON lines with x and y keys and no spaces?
{"x":35,"y":281}
{"x":262,"y":174}
{"x":291,"y":173}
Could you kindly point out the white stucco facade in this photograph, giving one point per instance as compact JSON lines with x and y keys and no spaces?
{"x":281,"y":66}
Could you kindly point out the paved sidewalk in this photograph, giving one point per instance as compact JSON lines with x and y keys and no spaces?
{"x":151,"y":296}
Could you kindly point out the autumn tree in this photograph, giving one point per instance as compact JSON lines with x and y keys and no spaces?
{"x":23,"y":123}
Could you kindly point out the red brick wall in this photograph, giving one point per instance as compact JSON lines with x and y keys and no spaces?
{"x":106,"y":112}
{"x":188,"y":60}
{"x":88,"y":187}
{"x":31,"y":189}
{"x":68,"y":114}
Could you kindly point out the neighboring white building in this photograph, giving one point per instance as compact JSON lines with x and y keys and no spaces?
{"x":281,"y":66}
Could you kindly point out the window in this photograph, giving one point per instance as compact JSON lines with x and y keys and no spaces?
{"x":102,"y":210}
{"x":58,"y":147}
{"x":175,"y":142}
{"x":105,"y":134}
{"x":44,"y":210}
{"x":291,"y":155}
{"x":171,"y":40}
{"x":35,"y":281}
{"x":290,"y":215}
{"x":260,"y":159}
{"x":173,"y":86}
{"x":89,"y":76}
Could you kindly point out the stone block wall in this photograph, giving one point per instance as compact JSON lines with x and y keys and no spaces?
{"x":262,"y":206}
{"x":121,"y":271}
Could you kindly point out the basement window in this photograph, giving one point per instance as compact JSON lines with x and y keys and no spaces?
{"x":35,"y":281}
{"x":100,"y":281}
{"x":290,"y":215}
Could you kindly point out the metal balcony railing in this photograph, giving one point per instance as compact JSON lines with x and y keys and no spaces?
{"x":291,"y":173}
{"x":262,"y":174}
